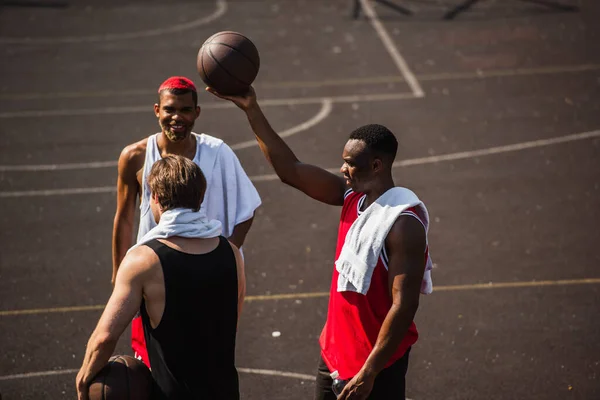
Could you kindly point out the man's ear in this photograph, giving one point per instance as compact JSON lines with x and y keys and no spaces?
{"x":377,"y":165}
{"x":156,"y":109}
{"x":198,"y":110}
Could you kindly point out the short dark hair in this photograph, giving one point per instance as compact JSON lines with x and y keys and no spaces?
{"x":180,"y":92}
{"x":379,"y":140}
{"x":177,"y":182}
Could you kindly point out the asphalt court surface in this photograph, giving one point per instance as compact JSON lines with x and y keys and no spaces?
{"x":492,"y":148}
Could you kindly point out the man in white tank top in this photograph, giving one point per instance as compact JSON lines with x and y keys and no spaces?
{"x":230,"y":196}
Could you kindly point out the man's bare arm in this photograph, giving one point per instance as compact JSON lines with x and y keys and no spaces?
{"x":241,"y":276}
{"x":238,"y":236}
{"x":405,"y":244}
{"x":122,"y":306}
{"x":127,"y":194}
{"x":314,"y":181}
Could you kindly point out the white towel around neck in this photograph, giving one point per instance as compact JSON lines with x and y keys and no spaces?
{"x":366,"y":237}
{"x":183,"y":222}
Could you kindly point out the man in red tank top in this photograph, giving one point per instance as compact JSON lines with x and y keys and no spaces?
{"x":367,"y":337}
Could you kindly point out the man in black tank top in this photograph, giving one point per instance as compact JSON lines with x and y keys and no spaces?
{"x":189,"y":289}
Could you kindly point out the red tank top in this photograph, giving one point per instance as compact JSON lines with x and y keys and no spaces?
{"x":354,"y":320}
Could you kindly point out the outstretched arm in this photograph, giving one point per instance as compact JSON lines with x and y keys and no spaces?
{"x":406,"y":243}
{"x":314,"y":181}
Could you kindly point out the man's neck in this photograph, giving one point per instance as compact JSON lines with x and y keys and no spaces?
{"x":377,"y":190}
{"x":186,"y":147}
{"x":191,"y":245}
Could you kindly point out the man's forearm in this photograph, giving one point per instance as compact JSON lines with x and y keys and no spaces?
{"x":122,"y":241}
{"x":238,"y":236}
{"x":394,"y":328}
{"x":274,"y":148}
{"x":97,"y":355}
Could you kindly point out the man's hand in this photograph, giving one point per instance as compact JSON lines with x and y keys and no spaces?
{"x":82,"y":387}
{"x":358,"y":388}
{"x":244,"y":101}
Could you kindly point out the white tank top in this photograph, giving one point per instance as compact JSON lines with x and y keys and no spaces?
{"x":204,"y":159}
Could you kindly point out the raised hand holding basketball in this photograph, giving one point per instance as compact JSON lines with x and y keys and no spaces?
{"x":229,"y":62}
{"x":244,"y":101}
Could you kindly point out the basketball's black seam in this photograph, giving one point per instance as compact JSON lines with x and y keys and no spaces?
{"x":127,"y":375}
{"x":216,"y":35}
{"x":236,"y":50}
{"x":104,"y":380}
{"x":225,"y":69}
{"x":208,"y":82}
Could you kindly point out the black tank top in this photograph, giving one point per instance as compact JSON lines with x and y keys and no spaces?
{"x":192,"y":350}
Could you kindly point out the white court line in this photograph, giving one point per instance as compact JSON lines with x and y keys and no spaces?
{"x":497,"y":150}
{"x":57,"y":167}
{"x":403,"y":163}
{"x":477,"y":75}
{"x":442,"y":76}
{"x":210,"y":106}
{"x":58,"y":192}
{"x":269,"y":372}
{"x":38,"y":374}
{"x":277,"y":373}
{"x":221,"y":8}
{"x":388,"y":43}
{"x":323,"y":113}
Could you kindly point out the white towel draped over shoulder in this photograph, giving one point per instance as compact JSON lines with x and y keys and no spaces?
{"x":366,"y":238}
{"x":230,"y":196}
{"x":182,"y":222}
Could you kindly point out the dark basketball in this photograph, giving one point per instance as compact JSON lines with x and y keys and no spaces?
{"x":123,"y":378}
{"x":228,"y":62}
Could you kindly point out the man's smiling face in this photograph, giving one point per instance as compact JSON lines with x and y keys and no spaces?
{"x":176,"y":115}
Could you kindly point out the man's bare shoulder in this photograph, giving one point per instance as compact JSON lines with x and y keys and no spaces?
{"x":407,"y":232}
{"x":135,"y":152}
{"x":131,"y":160}
{"x":140,"y":261}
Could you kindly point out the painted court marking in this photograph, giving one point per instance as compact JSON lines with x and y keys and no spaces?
{"x":391,"y":48}
{"x":403,"y":163}
{"x":269,"y":372}
{"x":326,"y":107}
{"x":296,"y":296}
{"x":479,"y":74}
{"x":221,"y":8}
{"x":294,"y":101}
{"x":442,"y":76}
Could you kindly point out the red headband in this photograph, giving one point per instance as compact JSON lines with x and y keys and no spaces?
{"x":177,"y":82}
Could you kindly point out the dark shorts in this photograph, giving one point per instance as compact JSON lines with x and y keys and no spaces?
{"x":389,"y":384}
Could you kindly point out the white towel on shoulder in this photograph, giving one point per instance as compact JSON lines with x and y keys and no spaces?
{"x":230,"y":196}
{"x":183,"y":222}
{"x":366,"y":238}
